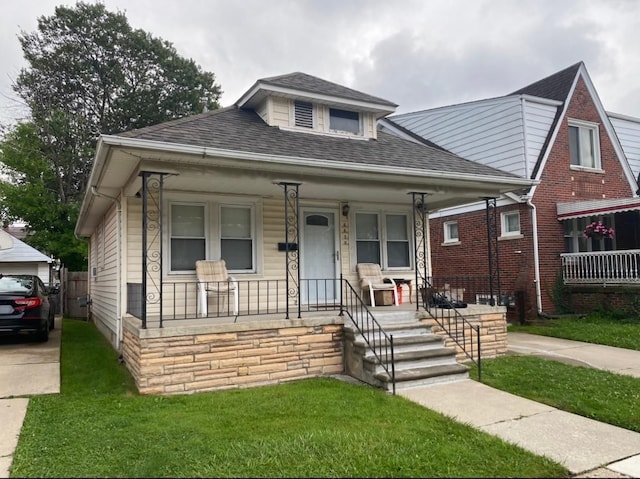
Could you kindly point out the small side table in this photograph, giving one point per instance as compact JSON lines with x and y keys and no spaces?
{"x":408,"y":283}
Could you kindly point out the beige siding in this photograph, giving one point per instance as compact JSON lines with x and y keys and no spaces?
{"x":281,"y":112}
{"x":104,"y":284}
{"x":321,"y":118}
{"x":368,"y":125}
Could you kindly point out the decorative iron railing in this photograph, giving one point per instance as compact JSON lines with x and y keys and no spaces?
{"x":601,"y":267}
{"x":378,"y":341}
{"x":444,"y":310}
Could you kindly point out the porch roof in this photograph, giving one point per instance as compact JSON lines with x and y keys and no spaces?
{"x":580,"y":209}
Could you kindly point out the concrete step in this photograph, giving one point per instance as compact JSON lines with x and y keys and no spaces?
{"x":413,"y":359}
{"x":406,"y":379}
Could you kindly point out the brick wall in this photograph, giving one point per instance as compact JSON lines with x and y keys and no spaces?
{"x":559,"y":183}
{"x":179,"y":360}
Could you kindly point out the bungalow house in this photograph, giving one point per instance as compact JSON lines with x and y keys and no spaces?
{"x":293,"y":186}
{"x":585,"y":162}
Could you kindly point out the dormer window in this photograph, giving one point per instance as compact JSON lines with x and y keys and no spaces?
{"x":303,"y":114}
{"x":344,"y":121}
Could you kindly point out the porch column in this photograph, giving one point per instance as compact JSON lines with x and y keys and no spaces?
{"x":151,"y":243}
{"x":492,"y":250}
{"x":419,"y":209}
{"x":292,"y":242}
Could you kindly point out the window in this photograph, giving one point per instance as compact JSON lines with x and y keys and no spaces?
{"x":451,"y":232}
{"x":367,"y":238}
{"x":397,"y":241}
{"x":574,"y":240}
{"x":188,"y":242}
{"x":344,"y":121}
{"x":584,"y":147}
{"x":510,"y":223}
{"x":236,"y":237}
{"x":303,"y":114}
{"x":389,"y":247}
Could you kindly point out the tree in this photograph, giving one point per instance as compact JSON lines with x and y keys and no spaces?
{"x":89,"y":73}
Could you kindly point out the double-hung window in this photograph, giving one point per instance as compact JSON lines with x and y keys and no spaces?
{"x":584,"y":145}
{"x":188,"y":239}
{"x":510,"y":223}
{"x":236,"y":237}
{"x":387,"y":246}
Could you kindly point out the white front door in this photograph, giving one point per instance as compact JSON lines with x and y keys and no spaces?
{"x":319,"y":256}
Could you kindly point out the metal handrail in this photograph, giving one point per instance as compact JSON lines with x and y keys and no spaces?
{"x":378,"y":340}
{"x":454,"y":324}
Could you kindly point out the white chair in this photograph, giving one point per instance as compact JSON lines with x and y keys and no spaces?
{"x":371,"y":279}
{"x":213,"y":280}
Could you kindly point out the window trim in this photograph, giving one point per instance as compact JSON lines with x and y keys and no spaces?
{"x":170,"y":234}
{"x":344,"y":132}
{"x":252,"y":225}
{"x":597,"y":160}
{"x":504,"y":224}
{"x":448,"y":239}
{"x":381,"y":217}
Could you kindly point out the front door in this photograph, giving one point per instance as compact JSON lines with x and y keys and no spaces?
{"x":319,"y":256}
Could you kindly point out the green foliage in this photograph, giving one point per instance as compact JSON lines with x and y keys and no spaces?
{"x":560,"y":296}
{"x":88,"y":73}
{"x":313,"y":428}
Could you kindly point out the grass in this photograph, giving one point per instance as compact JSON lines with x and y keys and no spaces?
{"x":599,"y":328}
{"x":99,"y":426}
{"x":593,"y":393}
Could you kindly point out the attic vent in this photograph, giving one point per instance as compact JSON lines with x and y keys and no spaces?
{"x":303,"y":114}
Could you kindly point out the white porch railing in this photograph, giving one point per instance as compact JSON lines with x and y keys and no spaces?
{"x":602,"y":267}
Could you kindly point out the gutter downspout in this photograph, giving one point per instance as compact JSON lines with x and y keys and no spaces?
{"x":536,"y":254}
{"x":116,"y":202}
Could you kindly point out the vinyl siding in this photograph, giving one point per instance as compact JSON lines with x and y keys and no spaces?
{"x":104,"y":255}
{"x":538,"y":121}
{"x":489,"y":132}
{"x":263,"y":110}
{"x":281,"y":112}
{"x":628,"y":133}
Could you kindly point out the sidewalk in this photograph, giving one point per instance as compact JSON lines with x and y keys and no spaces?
{"x":586,"y":447}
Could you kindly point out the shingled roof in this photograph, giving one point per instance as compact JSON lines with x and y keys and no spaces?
{"x":553,"y":87}
{"x":308,"y":83}
{"x":242,"y":130}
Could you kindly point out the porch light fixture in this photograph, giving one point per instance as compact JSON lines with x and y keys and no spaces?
{"x":345,"y":209}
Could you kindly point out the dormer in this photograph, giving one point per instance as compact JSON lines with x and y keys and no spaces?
{"x":305,"y":103}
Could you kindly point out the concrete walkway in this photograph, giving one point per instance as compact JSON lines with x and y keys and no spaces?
{"x":26,"y":368}
{"x":586,"y":447}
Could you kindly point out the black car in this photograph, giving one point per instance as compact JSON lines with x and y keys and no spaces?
{"x":25,"y":306}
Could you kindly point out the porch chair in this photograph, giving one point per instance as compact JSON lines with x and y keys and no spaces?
{"x":371,"y":279}
{"x":213,"y":280}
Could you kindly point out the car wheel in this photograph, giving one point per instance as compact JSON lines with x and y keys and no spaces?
{"x":43,"y":334}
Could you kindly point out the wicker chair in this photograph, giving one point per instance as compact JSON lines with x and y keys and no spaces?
{"x":213,"y":280}
{"x":371,"y":279}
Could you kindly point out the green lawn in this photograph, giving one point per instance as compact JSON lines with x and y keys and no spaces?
{"x":593,"y":393}
{"x":98,"y":426}
{"x":599,"y":328}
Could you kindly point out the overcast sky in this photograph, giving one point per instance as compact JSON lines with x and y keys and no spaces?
{"x":417,"y":53}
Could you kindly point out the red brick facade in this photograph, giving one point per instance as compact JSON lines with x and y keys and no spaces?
{"x":558,"y":183}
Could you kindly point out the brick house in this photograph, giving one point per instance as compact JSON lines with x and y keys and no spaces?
{"x":584,"y":161}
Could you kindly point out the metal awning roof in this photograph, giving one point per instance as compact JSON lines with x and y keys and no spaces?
{"x":580,"y":209}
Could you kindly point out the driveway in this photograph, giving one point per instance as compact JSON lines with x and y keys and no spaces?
{"x":28,"y":367}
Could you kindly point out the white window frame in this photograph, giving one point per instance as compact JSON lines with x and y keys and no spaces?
{"x":252,"y":225}
{"x":381,"y":218}
{"x":344,"y":132}
{"x":448,"y":239}
{"x":594,"y":128}
{"x":170,"y":233}
{"x":504,"y":224}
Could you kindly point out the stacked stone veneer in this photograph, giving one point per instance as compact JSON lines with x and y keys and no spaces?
{"x":493,"y":330}
{"x":189,"y":359}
